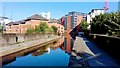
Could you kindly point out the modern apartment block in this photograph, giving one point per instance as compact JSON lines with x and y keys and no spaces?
{"x":93,"y":13}
{"x":119,"y":6}
{"x":71,"y":20}
{"x":45,"y":15}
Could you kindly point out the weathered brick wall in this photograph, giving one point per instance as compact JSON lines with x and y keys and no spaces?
{"x":8,"y":39}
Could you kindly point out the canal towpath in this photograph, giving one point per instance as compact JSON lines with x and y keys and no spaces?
{"x":86,"y":53}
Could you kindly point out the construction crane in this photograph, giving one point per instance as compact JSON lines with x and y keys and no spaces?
{"x":106,"y":6}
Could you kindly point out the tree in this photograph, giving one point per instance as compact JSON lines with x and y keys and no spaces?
{"x":42,"y":27}
{"x":37,"y":30}
{"x":54,"y":28}
{"x":49,"y":30}
{"x":84,"y":25}
{"x":0,"y":28}
{"x":29,"y":31}
{"x":106,"y":23}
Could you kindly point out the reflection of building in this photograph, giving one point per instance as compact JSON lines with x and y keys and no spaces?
{"x":71,"y":20}
{"x":45,"y":15}
{"x":68,"y":47}
{"x":22,"y":25}
{"x":68,"y":44}
{"x":93,"y":13}
{"x":58,"y":43}
{"x":40,"y":51}
{"x":119,"y":6}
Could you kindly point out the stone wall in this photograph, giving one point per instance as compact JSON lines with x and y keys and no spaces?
{"x":8,"y":39}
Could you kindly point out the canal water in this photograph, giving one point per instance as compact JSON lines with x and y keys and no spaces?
{"x":55,"y":54}
{"x":56,"y":57}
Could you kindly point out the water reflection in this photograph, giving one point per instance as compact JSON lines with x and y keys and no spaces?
{"x":16,"y":58}
{"x":41,"y":51}
{"x":68,"y":43}
{"x":42,"y":56}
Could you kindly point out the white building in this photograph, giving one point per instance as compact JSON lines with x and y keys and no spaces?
{"x":93,"y":13}
{"x":45,"y":15}
{"x":88,"y":18}
{"x":4,"y":21}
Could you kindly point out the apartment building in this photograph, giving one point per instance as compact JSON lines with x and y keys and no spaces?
{"x":93,"y":13}
{"x":71,"y":20}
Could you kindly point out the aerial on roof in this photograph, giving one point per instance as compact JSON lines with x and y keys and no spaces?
{"x":37,"y":17}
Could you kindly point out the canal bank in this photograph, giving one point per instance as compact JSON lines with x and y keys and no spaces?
{"x":86,"y":54}
{"x":6,"y":50}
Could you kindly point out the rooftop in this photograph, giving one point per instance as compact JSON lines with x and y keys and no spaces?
{"x":96,"y":9}
{"x":53,"y":21}
{"x":37,"y":17}
{"x":33,"y":17}
{"x":17,"y":22}
{"x":75,"y":13}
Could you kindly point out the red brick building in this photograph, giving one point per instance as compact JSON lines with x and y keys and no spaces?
{"x":31,"y":23}
{"x":71,"y":20}
{"x":22,"y":25}
{"x":56,"y":23}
